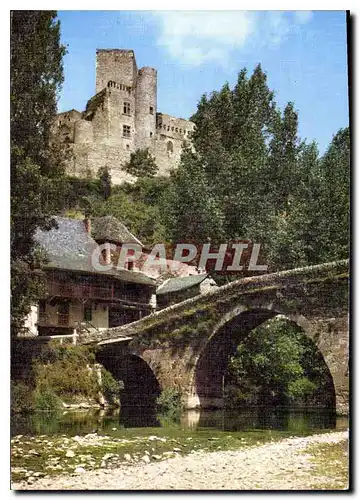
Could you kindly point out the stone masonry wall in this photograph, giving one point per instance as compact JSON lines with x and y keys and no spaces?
{"x":125,"y":97}
{"x":115,"y":64}
{"x":171,"y":134}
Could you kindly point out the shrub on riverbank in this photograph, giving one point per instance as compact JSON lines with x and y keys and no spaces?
{"x":52,"y":374}
{"x":110,"y":387}
{"x":169,"y":403}
{"x":21,"y":397}
{"x":47,"y":400}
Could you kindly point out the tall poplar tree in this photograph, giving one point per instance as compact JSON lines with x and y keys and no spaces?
{"x":35,"y":80}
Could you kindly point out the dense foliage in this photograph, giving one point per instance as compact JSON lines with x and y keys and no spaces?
{"x":251,"y":177}
{"x":141,"y":164}
{"x":278,"y":364}
{"x":36,"y":77}
{"x":45,"y":376}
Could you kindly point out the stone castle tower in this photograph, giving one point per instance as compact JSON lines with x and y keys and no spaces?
{"x":119,"y":119}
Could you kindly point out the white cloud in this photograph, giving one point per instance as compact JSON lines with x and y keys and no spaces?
{"x":303,"y":16}
{"x":197,"y":37}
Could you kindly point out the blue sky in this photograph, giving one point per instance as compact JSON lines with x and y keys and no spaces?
{"x":303,"y":53}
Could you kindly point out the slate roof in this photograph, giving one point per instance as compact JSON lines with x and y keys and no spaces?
{"x":173,"y":285}
{"x":111,"y":229}
{"x":69,"y":247}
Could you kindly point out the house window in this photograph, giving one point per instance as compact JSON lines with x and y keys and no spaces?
{"x":42,"y":311}
{"x":170,"y":147}
{"x":151,"y":110}
{"x":130,"y":265}
{"x":87,"y":313}
{"x":126,"y":130}
{"x":63,"y":313}
{"x":126,"y":108}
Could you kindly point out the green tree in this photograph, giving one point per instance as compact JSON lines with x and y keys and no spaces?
{"x":192,"y":212}
{"x":219,"y":190}
{"x":105,"y":182}
{"x":36,"y":77}
{"x":278,"y":364}
{"x":333,"y":209}
{"x":141,"y":164}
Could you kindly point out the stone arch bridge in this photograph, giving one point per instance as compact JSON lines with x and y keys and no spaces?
{"x":188,"y":345}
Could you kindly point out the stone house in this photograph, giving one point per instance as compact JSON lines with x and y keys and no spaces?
{"x":79,"y":296}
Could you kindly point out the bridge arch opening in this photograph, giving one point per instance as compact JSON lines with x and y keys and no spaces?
{"x":210,"y":387}
{"x":141,"y":387}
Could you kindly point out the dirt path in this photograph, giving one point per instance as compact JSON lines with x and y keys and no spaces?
{"x":282,"y":465}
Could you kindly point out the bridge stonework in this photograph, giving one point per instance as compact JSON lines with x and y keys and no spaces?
{"x":188,"y":345}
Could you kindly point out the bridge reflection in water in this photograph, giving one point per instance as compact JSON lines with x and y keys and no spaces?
{"x":293,"y":420}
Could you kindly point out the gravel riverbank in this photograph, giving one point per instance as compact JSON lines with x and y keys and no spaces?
{"x":280,"y":465}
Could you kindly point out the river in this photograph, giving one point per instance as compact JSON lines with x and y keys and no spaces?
{"x":45,"y":446}
{"x":294,"y":420}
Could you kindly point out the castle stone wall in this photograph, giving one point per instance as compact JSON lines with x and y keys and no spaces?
{"x":119,"y":119}
{"x":83,"y":132}
{"x":171,"y":134}
{"x":117,"y":65}
{"x":88,"y":158}
{"x":146,"y":106}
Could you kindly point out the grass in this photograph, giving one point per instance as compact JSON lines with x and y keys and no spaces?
{"x":331,"y":460}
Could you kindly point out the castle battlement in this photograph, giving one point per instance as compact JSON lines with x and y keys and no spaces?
{"x":120,"y":86}
{"x":120,"y":118}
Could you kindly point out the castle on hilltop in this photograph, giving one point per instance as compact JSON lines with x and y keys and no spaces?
{"x":119,"y":119}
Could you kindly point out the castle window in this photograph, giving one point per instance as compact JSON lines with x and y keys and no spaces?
{"x":65,"y":133}
{"x":126,"y":109}
{"x":172,"y":129}
{"x":170,"y":147}
{"x":127,"y":146}
{"x":151,"y":110}
{"x":126,"y":131}
{"x":176,"y":129}
{"x":151,"y":134}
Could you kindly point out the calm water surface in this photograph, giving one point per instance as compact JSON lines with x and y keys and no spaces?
{"x":278,"y":419}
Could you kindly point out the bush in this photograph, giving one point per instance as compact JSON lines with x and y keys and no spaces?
{"x":66,"y":379}
{"x":47,"y":401}
{"x":66,"y":371}
{"x":21,"y":398}
{"x":110,"y":387}
{"x":170,"y":402}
